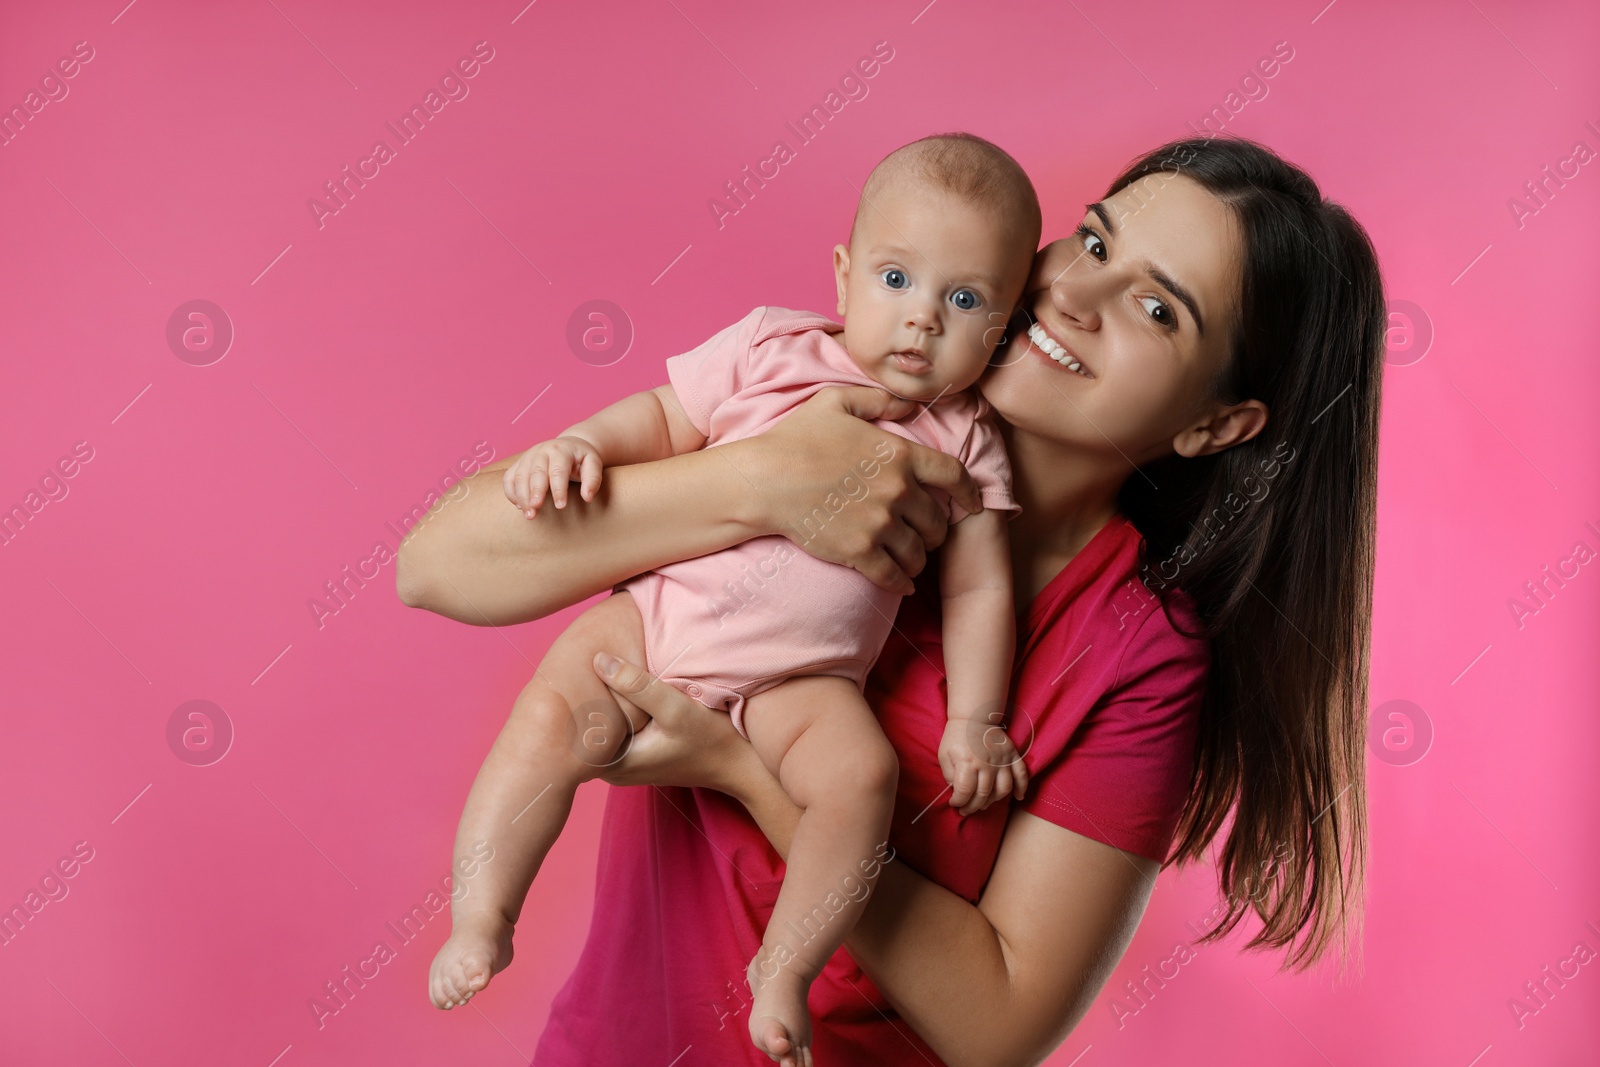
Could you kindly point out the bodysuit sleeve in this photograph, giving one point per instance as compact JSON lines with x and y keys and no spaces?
{"x":985,"y":459}
{"x":709,"y":374}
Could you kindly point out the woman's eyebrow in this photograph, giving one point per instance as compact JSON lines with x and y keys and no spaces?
{"x":1105,"y":217}
{"x":1161,"y":278}
{"x":1157,"y":275}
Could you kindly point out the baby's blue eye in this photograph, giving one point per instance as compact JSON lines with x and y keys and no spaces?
{"x":895,"y":278}
{"x":965,"y":299}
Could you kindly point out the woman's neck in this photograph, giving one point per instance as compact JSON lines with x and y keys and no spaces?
{"x":1067,"y":496}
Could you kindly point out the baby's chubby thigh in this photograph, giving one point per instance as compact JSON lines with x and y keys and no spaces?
{"x":817,"y":735}
{"x":577,"y":709}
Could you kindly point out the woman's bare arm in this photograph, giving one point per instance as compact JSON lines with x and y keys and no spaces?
{"x":999,"y":983}
{"x":1006,"y":981}
{"x":1003,"y":982}
{"x":478,"y":559}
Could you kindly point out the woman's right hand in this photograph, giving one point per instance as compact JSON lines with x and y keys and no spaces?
{"x":685,"y":743}
{"x":845,"y":491}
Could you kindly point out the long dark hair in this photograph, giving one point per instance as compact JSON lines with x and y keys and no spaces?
{"x":1273,"y":541}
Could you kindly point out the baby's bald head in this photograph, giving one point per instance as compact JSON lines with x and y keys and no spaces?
{"x":940,"y":252}
{"x":964,"y":166}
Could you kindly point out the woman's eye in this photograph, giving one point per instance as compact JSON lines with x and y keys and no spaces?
{"x":1159,"y":311}
{"x":965,"y":299}
{"x":895,"y":278}
{"x":1092,"y":243}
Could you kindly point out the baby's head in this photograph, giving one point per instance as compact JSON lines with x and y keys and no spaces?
{"x":941,"y":247}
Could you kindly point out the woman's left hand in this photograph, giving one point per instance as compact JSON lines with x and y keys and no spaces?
{"x":685,"y":743}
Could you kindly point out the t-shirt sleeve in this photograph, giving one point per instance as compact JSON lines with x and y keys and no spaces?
{"x":1125,"y":775}
{"x":985,"y":459}
{"x":709,"y":374}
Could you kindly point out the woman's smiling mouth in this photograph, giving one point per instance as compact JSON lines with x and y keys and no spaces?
{"x":1055,"y":350}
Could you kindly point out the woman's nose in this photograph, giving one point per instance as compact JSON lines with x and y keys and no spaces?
{"x":1078,"y":298}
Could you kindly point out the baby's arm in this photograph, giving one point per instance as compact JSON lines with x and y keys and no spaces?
{"x":637,"y":429}
{"x":977,"y":756}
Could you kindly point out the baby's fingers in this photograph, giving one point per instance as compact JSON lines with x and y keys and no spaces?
{"x":508,"y":482}
{"x":1002,"y":784}
{"x":525,"y":475}
{"x":963,"y":785}
{"x":560,"y":475}
{"x":538,"y":485}
{"x":1019,"y":771}
{"x":982,"y":792}
{"x":591,"y":473}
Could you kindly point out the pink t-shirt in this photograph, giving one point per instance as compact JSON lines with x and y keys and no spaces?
{"x":1107,"y":696}
{"x":728,"y":625}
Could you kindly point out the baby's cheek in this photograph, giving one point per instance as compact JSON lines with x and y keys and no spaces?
{"x":965,"y":364}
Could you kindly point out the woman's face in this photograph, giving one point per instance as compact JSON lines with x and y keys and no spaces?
{"x":1143,"y":299}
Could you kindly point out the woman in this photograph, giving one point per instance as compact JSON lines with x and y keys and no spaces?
{"x":1219,"y":443}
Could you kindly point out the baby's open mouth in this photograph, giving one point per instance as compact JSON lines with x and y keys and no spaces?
{"x":911,"y":362}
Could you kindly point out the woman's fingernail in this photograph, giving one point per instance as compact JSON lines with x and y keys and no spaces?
{"x":607,"y":663}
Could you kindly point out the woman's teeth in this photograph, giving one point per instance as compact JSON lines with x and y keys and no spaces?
{"x":1047,"y":344}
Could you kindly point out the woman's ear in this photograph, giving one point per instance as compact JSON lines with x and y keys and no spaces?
{"x":1228,"y":425}
{"x":841,"y":272}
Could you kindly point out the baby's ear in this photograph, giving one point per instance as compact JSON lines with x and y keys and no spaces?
{"x":841,"y":272}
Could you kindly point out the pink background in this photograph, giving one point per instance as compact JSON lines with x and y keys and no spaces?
{"x":373,"y":353}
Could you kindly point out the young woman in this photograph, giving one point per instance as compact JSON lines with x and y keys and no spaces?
{"x":1192,"y":418}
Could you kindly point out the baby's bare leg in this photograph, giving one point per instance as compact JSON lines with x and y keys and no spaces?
{"x":564,"y":729}
{"x":819,"y":737}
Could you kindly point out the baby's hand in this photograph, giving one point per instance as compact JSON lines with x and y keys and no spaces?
{"x":549,"y":467}
{"x":981,"y":764}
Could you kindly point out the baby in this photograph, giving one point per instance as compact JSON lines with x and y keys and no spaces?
{"x":941,"y":247}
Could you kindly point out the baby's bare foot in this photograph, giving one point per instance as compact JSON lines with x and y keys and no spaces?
{"x":780,"y":1024}
{"x":478,"y":949}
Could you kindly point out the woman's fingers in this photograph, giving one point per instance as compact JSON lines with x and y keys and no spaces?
{"x":932,"y":467}
{"x":881,"y":569}
{"x":635,"y":683}
{"x":925,"y":517}
{"x":865,"y":402}
{"x":904,"y":545}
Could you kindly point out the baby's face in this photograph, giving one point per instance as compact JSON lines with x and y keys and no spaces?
{"x":926,"y":290}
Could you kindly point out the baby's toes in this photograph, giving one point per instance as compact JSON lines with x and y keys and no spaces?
{"x":772,"y":1037}
{"x":463,"y":979}
{"x":443,"y":991}
{"x":472,"y":973}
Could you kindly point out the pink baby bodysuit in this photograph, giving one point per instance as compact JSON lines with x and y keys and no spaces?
{"x":729,"y":625}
